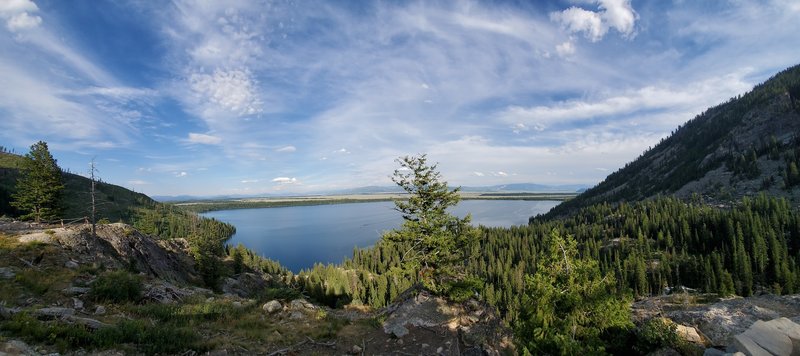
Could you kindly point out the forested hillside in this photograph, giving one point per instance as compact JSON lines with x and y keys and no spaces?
{"x":648,"y":246}
{"x":747,"y":145}
{"x":206,"y":237}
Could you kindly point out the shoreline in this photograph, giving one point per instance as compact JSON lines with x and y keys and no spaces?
{"x":203,"y":206}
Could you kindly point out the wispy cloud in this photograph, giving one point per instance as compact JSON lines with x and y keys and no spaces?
{"x":285,"y":180}
{"x":203,"y":139}
{"x":286,"y":149}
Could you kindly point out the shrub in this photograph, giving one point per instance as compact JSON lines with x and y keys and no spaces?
{"x":117,"y":286}
{"x":655,"y":334}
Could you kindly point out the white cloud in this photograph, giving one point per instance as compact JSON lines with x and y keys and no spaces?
{"x":16,"y":6}
{"x":566,"y":49}
{"x":576,"y":19}
{"x":248,"y":181}
{"x":285,"y":180}
{"x":616,"y":14}
{"x":478,"y":174}
{"x":694,"y":97}
{"x":500,"y":174}
{"x":181,"y":174}
{"x":286,"y":149}
{"x":203,"y":139}
{"x":234,"y":90}
{"x":17,"y":14}
{"x":23,"y":21}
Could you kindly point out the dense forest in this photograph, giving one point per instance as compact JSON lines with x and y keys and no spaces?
{"x":649,"y":246}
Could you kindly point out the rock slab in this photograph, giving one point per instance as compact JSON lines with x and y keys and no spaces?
{"x":779,"y":336}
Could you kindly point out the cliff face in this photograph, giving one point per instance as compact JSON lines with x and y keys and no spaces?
{"x":739,"y":148}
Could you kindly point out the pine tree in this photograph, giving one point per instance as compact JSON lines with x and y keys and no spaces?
{"x":434,"y":243}
{"x":40,"y":186}
{"x":568,"y":304}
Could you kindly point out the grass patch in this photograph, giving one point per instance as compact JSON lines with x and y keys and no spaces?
{"x":117,"y":286}
{"x":146,"y":337}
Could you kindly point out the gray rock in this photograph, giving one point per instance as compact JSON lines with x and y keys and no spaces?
{"x":745,"y":344}
{"x":7,"y":273}
{"x":296,"y":315}
{"x":301,"y":304}
{"x":713,"y":352}
{"x":72,"y":291}
{"x":397,"y":330}
{"x":100,"y":310}
{"x":690,"y":334}
{"x":90,"y":323}
{"x":355,"y":350}
{"x":787,"y":327}
{"x":245,"y":285}
{"x":55,"y":312}
{"x":7,"y":313}
{"x":769,"y":338}
{"x":272,"y":306}
{"x":71,"y":264}
{"x":77,"y":303}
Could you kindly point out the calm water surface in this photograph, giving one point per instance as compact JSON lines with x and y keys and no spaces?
{"x":299,"y":236}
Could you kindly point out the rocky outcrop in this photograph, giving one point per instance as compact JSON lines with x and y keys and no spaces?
{"x":121,"y":246}
{"x":722,"y":320}
{"x":474,"y":327}
{"x":245,"y":285}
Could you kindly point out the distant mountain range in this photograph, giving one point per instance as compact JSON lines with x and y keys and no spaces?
{"x":503,"y":188}
{"x":746,"y":146}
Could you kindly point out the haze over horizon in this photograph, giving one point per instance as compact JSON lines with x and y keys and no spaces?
{"x":251,"y":97}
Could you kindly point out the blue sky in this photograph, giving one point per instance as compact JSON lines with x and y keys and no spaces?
{"x":251,"y":97}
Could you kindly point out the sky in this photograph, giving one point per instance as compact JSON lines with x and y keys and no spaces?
{"x":263,"y":97}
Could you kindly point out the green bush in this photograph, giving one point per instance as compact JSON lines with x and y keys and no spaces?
{"x":655,"y":334}
{"x":462,"y":290}
{"x":117,"y":286}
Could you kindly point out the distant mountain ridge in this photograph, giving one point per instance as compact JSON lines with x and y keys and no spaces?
{"x":501,"y":188}
{"x":748,"y":145}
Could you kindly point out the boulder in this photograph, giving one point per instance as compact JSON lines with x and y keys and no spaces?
{"x":77,"y":303}
{"x":100,"y":310}
{"x":71,"y":264}
{"x":787,"y":327}
{"x":691,"y":335}
{"x":301,"y":304}
{"x":272,"y":306}
{"x":769,"y":338}
{"x":749,"y":347}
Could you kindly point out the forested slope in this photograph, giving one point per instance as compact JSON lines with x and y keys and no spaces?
{"x":739,"y":148}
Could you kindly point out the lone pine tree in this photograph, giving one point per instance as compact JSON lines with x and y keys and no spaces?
{"x":40,"y":185}
{"x":434,"y":243}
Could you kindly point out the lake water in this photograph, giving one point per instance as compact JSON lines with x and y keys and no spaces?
{"x":299,"y":236}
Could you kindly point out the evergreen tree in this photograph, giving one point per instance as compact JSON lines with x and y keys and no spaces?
{"x":434,"y":243}
{"x":569,"y":304}
{"x":40,"y":185}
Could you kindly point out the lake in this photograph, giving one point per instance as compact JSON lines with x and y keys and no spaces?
{"x":299,"y":236}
